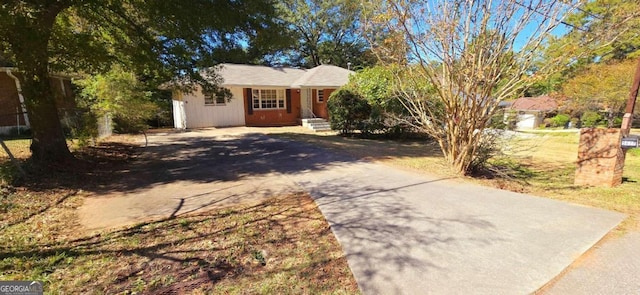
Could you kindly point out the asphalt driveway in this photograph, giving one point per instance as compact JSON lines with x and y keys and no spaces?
{"x":183,"y":172}
{"x":403,"y":233}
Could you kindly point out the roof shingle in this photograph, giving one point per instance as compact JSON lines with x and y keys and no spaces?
{"x":252,"y":75}
{"x":539,"y":103}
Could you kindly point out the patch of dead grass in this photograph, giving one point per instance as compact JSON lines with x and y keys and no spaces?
{"x":281,"y":246}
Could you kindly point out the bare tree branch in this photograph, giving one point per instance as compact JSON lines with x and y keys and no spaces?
{"x":472,"y":55}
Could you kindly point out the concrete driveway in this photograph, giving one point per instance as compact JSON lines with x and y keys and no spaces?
{"x":403,"y":233}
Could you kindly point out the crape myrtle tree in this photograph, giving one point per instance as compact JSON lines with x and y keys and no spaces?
{"x":156,"y":39}
{"x":474,"y":54}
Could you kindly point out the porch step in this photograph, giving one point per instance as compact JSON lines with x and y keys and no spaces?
{"x":307,"y":121}
{"x":320,"y":127}
{"x":316,"y":124}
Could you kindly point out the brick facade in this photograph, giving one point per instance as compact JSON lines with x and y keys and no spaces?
{"x":273,"y":117}
{"x":320,"y":107}
{"x":10,"y":110}
{"x":11,"y":113}
{"x":600,"y":158}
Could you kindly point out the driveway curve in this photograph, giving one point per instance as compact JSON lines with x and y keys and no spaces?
{"x":402,"y":233}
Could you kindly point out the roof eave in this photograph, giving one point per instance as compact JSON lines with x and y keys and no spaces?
{"x":254,"y":86}
{"x":316,"y":86}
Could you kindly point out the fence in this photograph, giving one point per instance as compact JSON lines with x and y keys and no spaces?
{"x":12,"y":122}
{"x":75,"y":122}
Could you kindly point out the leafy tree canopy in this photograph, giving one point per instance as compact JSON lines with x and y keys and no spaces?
{"x":155,"y":39}
{"x":120,"y":94}
{"x":607,"y":29}
{"x":599,"y":31}
{"x":602,"y":86}
{"x":324,"y":32}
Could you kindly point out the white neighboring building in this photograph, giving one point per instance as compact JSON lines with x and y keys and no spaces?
{"x":531,"y":111}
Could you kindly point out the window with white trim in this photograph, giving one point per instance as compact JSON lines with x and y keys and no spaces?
{"x":213,"y":99}
{"x":268,"y":98}
{"x":320,"y":95}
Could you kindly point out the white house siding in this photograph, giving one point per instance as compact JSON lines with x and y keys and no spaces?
{"x":179,"y":116}
{"x":528,"y":121}
{"x":199,"y":115}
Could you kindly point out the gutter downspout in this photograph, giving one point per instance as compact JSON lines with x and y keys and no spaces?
{"x":20,"y":97}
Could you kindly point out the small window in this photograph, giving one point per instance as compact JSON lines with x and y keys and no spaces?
{"x":220,"y":100}
{"x":320,"y":95}
{"x":213,"y":99}
{"x":208,"y":99}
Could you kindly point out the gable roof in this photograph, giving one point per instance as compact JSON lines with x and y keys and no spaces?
{"x":323,"y":75}
{"x":539,"y":103}
{"x":252,"y":75}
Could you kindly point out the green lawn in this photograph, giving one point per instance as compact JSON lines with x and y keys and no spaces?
{"x":18,"y":147}
{"x":551,"y":162}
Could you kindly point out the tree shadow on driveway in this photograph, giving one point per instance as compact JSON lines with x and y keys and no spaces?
{"x":198,"y":159}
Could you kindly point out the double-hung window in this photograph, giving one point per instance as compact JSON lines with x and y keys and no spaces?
{"x":268,"y":98}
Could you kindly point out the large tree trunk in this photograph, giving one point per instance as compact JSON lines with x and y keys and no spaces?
{"x":30,"y":43}
{"x":49,"y":144}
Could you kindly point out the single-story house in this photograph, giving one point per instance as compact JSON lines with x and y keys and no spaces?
{"x":261,"y":96}
{"x":13,"y":114}
{"x":531,"y":111}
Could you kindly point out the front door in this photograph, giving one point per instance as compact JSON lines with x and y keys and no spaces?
{"x":306,"y":101}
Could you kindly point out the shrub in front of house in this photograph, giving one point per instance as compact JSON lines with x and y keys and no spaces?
{"x":388,"y":115}
{"x":348,"y":111}
{"x":545,"y":123}
{"x":498,"y":121}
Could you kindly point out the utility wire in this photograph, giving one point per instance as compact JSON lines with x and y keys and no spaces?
{"x":547,"y":16}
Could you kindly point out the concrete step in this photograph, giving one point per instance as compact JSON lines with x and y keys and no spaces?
{"x":314,"y":120}
{"x":321,"y":129}
{"x":308,"y":121}
{"x":320,"y":126}
{"x":316,"y":124}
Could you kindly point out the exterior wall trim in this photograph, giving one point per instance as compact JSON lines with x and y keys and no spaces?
{"x":20,"y":96}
